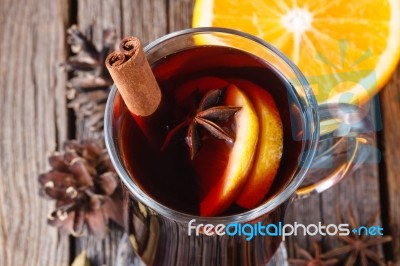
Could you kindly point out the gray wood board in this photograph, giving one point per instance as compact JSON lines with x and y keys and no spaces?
{"x":33,"y":122}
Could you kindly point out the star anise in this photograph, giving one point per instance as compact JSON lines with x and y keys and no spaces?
{"x":359,"y":247}
{"x":306,"y":259}
{"x":207,"y":116}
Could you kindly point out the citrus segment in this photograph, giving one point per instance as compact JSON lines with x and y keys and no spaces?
{"x":269,"y":148}
{"x":229,"y":186}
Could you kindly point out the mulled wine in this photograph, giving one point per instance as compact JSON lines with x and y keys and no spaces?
{"x":211,"y":133}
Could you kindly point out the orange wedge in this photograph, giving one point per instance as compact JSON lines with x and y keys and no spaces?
{"x":346,"y":49}
{"x":269,"y":147}
{"x":229,"y":186}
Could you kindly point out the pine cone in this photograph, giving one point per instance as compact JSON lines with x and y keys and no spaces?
{"x":86,"y":189}
{"x":90,"y":83}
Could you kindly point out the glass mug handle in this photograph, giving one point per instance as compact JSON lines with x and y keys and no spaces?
{"x":346,"y":139}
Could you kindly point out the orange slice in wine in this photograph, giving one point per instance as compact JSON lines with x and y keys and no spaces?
{"x":230,"y":184}
{"x":269,"y":148}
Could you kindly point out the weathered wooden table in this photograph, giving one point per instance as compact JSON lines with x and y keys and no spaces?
{"x":34,"y":121}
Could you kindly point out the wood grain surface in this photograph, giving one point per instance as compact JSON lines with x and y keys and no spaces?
{"x":390,"y":167}
{"x":33,"y":123}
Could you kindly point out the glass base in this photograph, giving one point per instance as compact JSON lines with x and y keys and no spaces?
{"x":127,"y":257}
{"x":280,"y":257}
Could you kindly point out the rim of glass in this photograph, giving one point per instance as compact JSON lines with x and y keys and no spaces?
{"x":285,"y":194}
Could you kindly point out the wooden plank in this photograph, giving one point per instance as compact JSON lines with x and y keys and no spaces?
{"x":180,"y":14}
{"x":101,"y":15}
{"x":145,"y":19}
{"x":390,"y":102}
{"x":33,"y":123}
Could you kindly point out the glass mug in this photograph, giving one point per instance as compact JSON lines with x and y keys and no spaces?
{"x":335,"y":140}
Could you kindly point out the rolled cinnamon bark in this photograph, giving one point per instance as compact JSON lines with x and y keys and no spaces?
{"x":133,"y":77}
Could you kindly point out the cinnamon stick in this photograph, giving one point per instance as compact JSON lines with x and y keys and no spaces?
{"x":133,"y":77}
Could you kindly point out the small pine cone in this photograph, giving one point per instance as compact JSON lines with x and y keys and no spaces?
{"x":85,"y":186}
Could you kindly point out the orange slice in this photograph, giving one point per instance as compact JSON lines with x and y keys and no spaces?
{"x":347,"y":50}
{"x":229,"y":186}
{"x":269,"y":147}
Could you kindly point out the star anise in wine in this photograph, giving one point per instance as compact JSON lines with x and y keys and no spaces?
{"x":207,"y":116}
